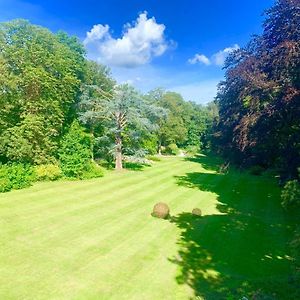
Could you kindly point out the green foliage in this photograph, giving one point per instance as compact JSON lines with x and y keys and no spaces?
{"x":153,"y":158}
{"x":192,"y":150}
{"x":149,"y":144}
{"x":47,"y":172}
{"x":92,"y":170}
{"x":5,"y":184}
{"x":259,"y":102}
{"x":15,"y":176}
{"x":75,"y":152}
{"x":290,"y":195}
{"x":184,"y":123}
{"x":171,"y":149}
{"x":40,"y":80}
{"x":125,"y":117}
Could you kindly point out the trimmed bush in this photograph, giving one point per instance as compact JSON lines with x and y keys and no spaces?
{"x":49,"y":172}
{"x":15,"y":176}
{"x":161,"y":210}
{"x":290,"y":194}
{"x":197,"y":212}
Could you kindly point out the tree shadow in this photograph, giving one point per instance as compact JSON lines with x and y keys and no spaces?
{"x":242,"y":250}
{"x":133,"y":166}
{"x":207,"y":162}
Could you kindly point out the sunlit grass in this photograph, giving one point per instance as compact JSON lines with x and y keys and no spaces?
{"x":96,"y":239}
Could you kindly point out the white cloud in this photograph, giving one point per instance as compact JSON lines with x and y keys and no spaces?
{"x":199,"y":58}
{"x":217,"y":59}
{"x":138,"y":44}
{"x":97,"y":33}
{"x":220,"y":57}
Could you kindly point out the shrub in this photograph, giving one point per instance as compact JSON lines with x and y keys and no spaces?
{"x":197,"y":212}
{"x":192,"y":150}
{"x":5,"y":184}
{"x":75,"y":152}
{"x":92,"y":170}
{"x":47,"y":172}
{"x":161,"y":210}
{"x":171,"y":149}
{"x":290,"y":194}
{"x":15,"y":176}
{"x":150,"y":144}
{"x":153,"y":158}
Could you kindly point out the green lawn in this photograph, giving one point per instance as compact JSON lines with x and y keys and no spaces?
{"x":95,"y":239}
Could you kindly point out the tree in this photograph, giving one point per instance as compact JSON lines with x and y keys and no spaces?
{"x":123,"y":113}
{"x":41,"y":79}
{"x":74,"y":153}
{"x":260,"y":99}
{"x":97,"y":86}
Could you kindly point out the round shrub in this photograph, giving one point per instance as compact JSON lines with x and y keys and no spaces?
{"x":197,"y":212}
{"x":161,"y":210}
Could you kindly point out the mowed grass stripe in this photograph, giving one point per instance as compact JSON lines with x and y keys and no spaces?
{"x":96,"y":239}
{"x":138,"y":242}
{"x":30,"y":198}
{"x":86,"y":205}
{"x":154,"y":191}
{"x":133,"y":271}
{"x":101,"y":215}
{"x":81,"y":195}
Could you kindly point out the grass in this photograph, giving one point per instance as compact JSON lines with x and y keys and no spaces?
{"x":95,"y":239}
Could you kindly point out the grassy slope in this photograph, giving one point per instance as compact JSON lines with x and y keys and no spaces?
{"x":95,"y":239}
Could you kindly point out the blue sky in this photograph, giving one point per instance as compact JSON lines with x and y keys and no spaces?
{"x":179,"y":45}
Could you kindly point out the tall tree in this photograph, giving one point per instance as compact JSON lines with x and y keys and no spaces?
{"x":260,"y":98}
{"x":123,"y":113}
{"x":41,"y":79}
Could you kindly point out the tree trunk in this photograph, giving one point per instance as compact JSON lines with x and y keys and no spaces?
{"x":92,"y":144}
{"x":159,"y":148}
{"x":118,"y":165}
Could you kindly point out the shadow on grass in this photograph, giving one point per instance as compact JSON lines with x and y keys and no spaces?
{"x":206,"y":161}
{"x":242,"y":250}
{"x":135,"y":166}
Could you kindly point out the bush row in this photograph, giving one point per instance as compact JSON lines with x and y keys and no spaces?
{"x":17,"y":176}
